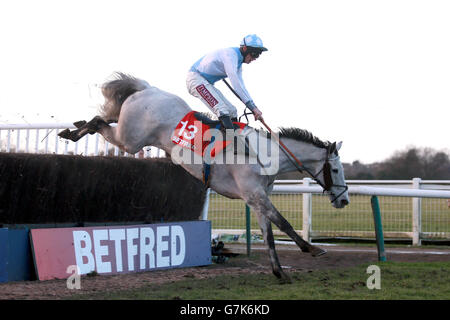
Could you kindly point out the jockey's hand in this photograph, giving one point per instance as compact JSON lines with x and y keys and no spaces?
{"x":257,"y":113}
{"x":253,"y":108}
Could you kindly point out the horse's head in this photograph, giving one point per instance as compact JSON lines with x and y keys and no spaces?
{"x":331,"y":177}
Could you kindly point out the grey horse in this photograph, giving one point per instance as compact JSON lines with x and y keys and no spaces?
{"x":148,"y":116}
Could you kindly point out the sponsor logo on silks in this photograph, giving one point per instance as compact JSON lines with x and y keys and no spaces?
{"x":192,"y":134}
{"x":209,"y":98}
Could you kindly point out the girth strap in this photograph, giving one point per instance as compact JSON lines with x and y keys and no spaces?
{"x":207,"y":166}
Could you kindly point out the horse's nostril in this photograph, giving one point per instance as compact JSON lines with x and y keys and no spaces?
{"x":344,"y":202}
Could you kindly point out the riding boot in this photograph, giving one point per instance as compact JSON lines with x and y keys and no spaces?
{"x":226,"y":122}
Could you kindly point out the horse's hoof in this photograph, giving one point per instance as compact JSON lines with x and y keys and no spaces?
{"x":282,"y":277}
{"x":317,"y":252}
{"x":70,"y":135}
{"x":65,"y":134}
{"x":285,"y":280}
{"x":79,"y":124}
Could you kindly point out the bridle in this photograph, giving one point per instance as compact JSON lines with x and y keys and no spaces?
{"x":328,"y":179}
{"x":326,"y":169}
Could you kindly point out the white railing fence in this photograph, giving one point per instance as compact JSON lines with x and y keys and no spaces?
{"x":43,"y":138}
{"x":414,"y":209}
{"x":410,"y":209}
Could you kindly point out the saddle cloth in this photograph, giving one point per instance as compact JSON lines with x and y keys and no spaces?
{"x":192,"y":132}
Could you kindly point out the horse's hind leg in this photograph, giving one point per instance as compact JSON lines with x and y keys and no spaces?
{"x":118,"y":136}
{"x":266,"y":228}
{"x":79,"y":124}
{"x":84,"y":128}
{"x":114,"y":135}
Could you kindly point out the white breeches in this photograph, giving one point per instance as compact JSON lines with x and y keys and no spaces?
{"x":209,"y":95}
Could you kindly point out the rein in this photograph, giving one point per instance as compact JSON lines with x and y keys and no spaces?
{"x":297,"y":163}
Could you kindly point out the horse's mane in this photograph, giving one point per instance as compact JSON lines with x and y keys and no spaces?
{"x":302,"y":135}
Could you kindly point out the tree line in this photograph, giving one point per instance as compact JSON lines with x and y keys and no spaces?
{"x":424,"y":163}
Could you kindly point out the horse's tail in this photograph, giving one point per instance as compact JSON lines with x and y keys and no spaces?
{"x":116,"y":91}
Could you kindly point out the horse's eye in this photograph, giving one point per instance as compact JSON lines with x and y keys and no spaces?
{"x":335,"y":170}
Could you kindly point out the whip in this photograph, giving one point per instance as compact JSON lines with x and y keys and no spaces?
{"x":298,"y":164}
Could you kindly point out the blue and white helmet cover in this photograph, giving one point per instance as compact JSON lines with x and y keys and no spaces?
{"x":252,"y":40}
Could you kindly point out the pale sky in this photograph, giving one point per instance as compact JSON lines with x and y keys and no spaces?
{"x":373,"y":74}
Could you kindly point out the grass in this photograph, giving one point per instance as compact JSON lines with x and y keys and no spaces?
{"x":399,"y":281}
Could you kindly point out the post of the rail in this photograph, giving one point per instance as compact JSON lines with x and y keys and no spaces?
{"x":378,"y":228}
{"x":248,"y":231}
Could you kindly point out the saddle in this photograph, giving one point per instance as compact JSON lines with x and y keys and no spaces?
{"x":216,"y":123}
{"x":186,"y":134}
{"x":192,"y":132}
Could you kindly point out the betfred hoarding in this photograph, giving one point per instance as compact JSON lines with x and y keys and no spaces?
{"x":120,"y":249}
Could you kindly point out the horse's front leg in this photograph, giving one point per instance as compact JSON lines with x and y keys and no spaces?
{"x":262,"y":202}
{"x":266,"y":229}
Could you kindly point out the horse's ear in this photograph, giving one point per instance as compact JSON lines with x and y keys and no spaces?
{"x":332,"y":148}
{"x":338,"y":146}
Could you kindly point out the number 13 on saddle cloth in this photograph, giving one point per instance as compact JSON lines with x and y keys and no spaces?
{"x":193,"y":134}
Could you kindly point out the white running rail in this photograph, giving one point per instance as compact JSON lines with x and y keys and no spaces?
{"x":43,"y":138}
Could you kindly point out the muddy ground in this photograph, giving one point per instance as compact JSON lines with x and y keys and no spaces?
{"x":290,"y":257}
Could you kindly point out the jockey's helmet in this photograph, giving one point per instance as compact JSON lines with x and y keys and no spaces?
{"x":253,"y":42}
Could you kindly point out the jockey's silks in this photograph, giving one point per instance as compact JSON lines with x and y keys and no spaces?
{"x":221,"y":64}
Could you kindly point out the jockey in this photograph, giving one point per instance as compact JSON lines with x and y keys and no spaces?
{"x":221,"y":64}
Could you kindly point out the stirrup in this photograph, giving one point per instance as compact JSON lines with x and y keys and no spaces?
{"x":226,"y":122}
